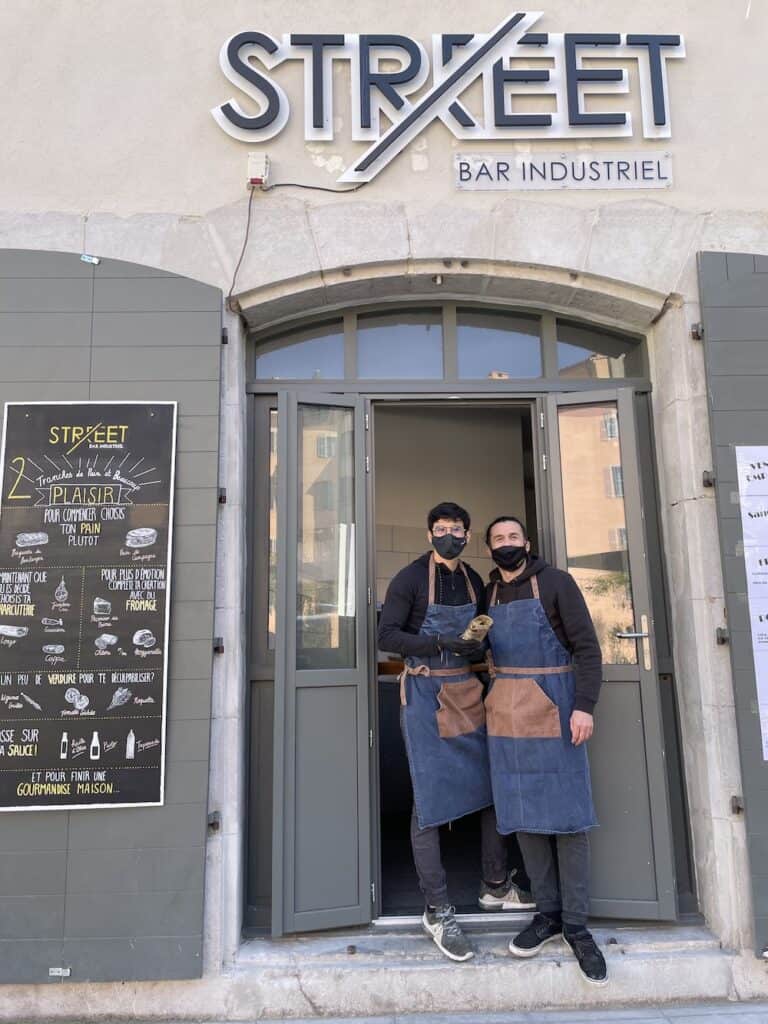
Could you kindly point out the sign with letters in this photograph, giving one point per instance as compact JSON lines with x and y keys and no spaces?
{"x":752,"y":470}
{"x":85,"y":549}
{"x":514,"y":62}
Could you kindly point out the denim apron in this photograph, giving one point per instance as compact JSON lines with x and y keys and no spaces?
{"x":540,"y":779}
{"x":443,"y":721}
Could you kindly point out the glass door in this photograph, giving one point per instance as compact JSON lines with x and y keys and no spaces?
{"x":321,"y":840}
{"x":599,"y":538}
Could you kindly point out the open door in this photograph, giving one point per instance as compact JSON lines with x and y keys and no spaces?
{"x":321,"y":845}
{"x":599,"y":538}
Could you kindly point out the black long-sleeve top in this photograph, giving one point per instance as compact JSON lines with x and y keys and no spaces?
{"x":568,"y":616}
{"x":405,"y":605}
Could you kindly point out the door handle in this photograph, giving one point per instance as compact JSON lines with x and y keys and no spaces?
{"x":645,"y":636}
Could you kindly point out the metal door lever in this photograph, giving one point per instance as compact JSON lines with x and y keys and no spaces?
{"x":631,"y":636}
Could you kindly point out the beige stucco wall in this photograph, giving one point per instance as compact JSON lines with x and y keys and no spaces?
{"x":109,"y":148}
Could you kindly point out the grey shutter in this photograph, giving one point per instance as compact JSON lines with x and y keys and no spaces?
{"x":118,"y":894}
{"x":734,"y":300}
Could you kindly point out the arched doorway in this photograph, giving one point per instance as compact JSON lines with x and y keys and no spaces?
{"x":358,"y":416}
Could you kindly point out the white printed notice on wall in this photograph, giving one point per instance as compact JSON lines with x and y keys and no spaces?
{"x":752,"y":470}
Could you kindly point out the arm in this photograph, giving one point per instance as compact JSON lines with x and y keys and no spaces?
{"x":395,"y":614}
{"x":587,"y":657}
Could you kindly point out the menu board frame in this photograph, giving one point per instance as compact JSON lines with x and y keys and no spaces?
{"x":117,"y":403}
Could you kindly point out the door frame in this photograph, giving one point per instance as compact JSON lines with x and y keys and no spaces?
{"x":535,"y":404}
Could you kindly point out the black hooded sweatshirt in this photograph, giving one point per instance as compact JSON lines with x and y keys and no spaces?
{"x":568,"y":616}
{"x":405,"y":605}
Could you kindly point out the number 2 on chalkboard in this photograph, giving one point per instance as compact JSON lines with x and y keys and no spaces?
{"x":21,"y":462}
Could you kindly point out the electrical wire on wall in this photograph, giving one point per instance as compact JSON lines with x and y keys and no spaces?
{"x":234,"y":307}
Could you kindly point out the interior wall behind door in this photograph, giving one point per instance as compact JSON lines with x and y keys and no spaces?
{"x":427,"y":454}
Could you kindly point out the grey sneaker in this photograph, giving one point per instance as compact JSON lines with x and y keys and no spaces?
{"x":507,"y":896}
{"x":444,"y":930}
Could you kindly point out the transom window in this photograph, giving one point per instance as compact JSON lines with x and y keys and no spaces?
{"x":448,"y":342}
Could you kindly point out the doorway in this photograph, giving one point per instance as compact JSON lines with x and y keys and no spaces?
{"x":480,"y":455}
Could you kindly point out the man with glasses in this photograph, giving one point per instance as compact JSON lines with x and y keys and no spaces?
{"x":428,"y":605}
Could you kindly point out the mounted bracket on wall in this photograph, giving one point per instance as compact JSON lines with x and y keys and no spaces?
{"x":218,"y":645}
{"x":708,"y":478}
{"x":697,"y":332}
{"x":722,"y":635}
{"x":737,"y":805}
{"x":222,"y":495}
{"x":214,"y":822}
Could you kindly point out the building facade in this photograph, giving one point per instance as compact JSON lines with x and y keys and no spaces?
{"x":382,"y":258}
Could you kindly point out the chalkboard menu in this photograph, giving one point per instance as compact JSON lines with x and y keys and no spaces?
{"x":85,"y":545}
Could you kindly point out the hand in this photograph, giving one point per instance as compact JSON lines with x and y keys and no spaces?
{"x":582,"y":727}
{"x":471,"y":649}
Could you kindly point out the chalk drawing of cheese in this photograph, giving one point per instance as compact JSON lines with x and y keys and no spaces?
{"x":53,"y":649}
{"x":15,"y":631}
{"x":142,"y":537}
{"x":105,"y":640}
{"x":30,"y":540}
{"x":144,"y":638}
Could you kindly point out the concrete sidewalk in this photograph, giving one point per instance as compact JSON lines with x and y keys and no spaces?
{"x":692,"y":1013}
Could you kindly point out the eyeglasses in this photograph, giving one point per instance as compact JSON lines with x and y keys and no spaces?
{"x":456,"y":531}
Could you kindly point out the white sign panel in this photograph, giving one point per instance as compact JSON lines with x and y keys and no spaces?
{"x":508,"y":172}
{"x":752,"y":470}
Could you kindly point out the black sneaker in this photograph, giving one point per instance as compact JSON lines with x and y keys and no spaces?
{"x":539,"y":932}
{"x":591,"y":961}
{"x":506,"y":896}
{"x":444,"y":930}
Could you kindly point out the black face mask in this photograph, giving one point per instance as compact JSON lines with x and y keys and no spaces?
{"x":509,"y":557}
{"x":449,"y":546}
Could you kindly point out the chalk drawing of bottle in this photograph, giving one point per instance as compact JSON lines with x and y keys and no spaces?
{"x":130,"y":746}
{"x":61,"y":593}
{"x":64,"y":746}
{"x":95,"y":751}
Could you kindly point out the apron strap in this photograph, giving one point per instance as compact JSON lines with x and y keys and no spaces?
{"x":470,"y":588}
{"x":425,"y":670}
{"x":493,"y":595}
{"x":535,"y":588}
{"x":432,"y":573}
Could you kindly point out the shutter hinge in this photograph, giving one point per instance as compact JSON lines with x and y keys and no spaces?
{"x":370,"y":596}
{"x":544,"y":461}
{"x":737,"y":805}
{"x":218,"y":645}
{"x":722,"y":636}
{"x":224,"y":336}
{"x":367,"y":422}
{"x":59,"y":972}
{"x":370,"y":738}
{"x":708,"y":478}
{"x":367,"y":464}
{"x":222,"y":495}
{"x":373,"y":892}
{"x":541,"y":420}
{"x":697,"y":332}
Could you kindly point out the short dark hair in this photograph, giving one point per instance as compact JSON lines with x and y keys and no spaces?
{"x":447,"y":510}
{"x":504,"y":519}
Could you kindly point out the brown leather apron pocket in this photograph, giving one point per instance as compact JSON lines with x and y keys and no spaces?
{"x":461,"y":708}
{"x":518,"y":708}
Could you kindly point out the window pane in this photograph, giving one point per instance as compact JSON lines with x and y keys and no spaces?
{"x":315,"y":353}
{"x":584,"y":351}
{"x":497,"y":346}
{"x":403,"y":345}
{"x":595,"y":523}
{"x":325,"y":612}
{"x":272,"y":578}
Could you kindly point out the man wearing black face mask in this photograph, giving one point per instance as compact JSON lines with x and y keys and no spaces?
{"x":546,"y":671}
{"x":428,"y":606}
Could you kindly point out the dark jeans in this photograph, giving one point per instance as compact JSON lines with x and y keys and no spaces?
{"x":495,"y":856}
{"x":558,"y":867}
